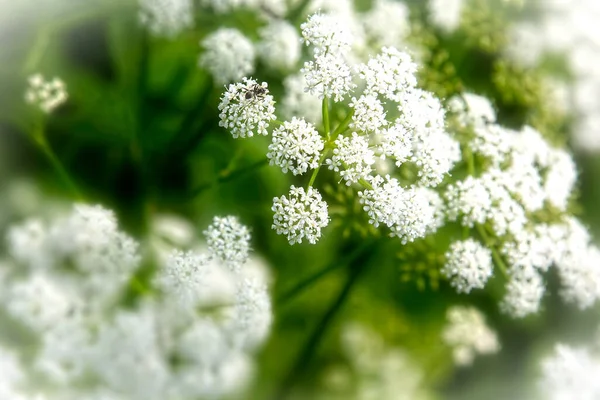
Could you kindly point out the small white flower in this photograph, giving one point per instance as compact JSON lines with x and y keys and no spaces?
{"x":560,"y":179}
{"x":387,"y":23}
{"x":369,"y":115}
{"x":166,"y":18}
{"x":472,"y":109}
{"x":352,"y":158}
{"x":246,"y":108}
{"x":570,"y":372}
{"x":300,"y":216}
{"x":253,"y":318}
{"x":446,"y":14}
{"x":182,"y":276}
{"x":468,"y":335}
{"x":279,"y":45}
{"x":524,"y":292}
{"x":228,"y":55}
{"x":229,"y":241}
{"x":296,"y":147}
{"x":327,"y":33}
{"x":435,"y":154}
{"x":396,"y":142}
{"x":328,"y":76}
{"x":388,"y":73}
{"x":47,"y":95}
{"x":493,"y":142}
{"x":468,"y":265}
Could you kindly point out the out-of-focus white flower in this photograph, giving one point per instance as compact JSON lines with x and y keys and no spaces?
{"x":524,"y":292}
{"x":570,"y":373}
{"x":47,"y":95}
{"x":386,"y":23}
{"x":445,"y":14}
{"x":229,"y":241}
{"x":182,"y":276}
{"x":166,"y":18}
{"x":326,"y":33}
{"x":468,"y":335}
{"x":279,"y":45}
{"x":301,"y":215}
{"x":246,"y":108}
{"x":472,"y":109}
{"x":296,"y":101}
{"x":352,"y":158}
{"x":228,"y":55}
{"x":264,"y":8}
{"x":468,"y":265}
{"x":296,"y":147}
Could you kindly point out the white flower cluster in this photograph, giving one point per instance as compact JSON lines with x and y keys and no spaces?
{"x":446,"y":14}
{"x":468,"y":265}
{"x":166,"y":18}
{"x":296,"y":147}
{"x":47,"y":95}
{"x":265,"y":8}
{"x":228,"y":55}
{"x":389,"y":118}
{"x":376,"y":369}
{"x":300,"y":216}
{"x":570,"y":373}
{"x":522,"y":177}
{"x":468,"y":335}
{"x":69,"y":284}
{"x":279,"y":46}
{"x":246,"y":108}
{"x":567,"y":28}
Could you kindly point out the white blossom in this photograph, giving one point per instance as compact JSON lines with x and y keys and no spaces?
{"x":326,"y":33}
{"x":472,"y":109}
{"x":246,"y":108}
{"x":388,"y":73}
{"x":46,"y":95}
{"x":279,"y":45}
{"x":396,"y":142}
{"x":296,"y":147}
{"x":445,"y":14}
{"x":352,"y":158}
{"x":228,"y":240}
{"x":387,"y":23}
{"x":468,"y":335}
{"x":228,"y":55}
{"x":328,"y":75}
{"x":300,"y":216}
{"x":369,"y":115}
{"x":568,"y":373}
{"x":468,"y":265}
{"x":166,"y":18}
{"x":524,"y":292}
{"x":182,"y":276}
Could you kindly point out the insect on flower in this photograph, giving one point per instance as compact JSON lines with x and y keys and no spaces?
{"x":256,"y":91}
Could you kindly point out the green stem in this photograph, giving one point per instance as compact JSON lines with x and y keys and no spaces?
{"x":226,"y":176}
{"x":495,"y":254}
{"x":325,"y":111}
{"x":343,"y":125}
{"x":308,"y":282}
{"x":307,"y":352}
{"x":40,"y":139}
{"x":316,"y":170}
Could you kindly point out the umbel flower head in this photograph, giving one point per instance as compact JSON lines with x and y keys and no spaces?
{"x":166,"y":18}
{"x":47,"y":95}
{"x":209,"y":311}
{"x":246,"y":108}
{"x":228,"y":55}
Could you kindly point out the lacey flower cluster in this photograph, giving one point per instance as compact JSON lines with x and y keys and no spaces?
{"x":46,"y":95}
{"x":98,"y":328}
{"x":515,"y":202}
{"x":387,"y":119}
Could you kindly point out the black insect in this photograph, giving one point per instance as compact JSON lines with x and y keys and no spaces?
{"x":256,"y":91}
